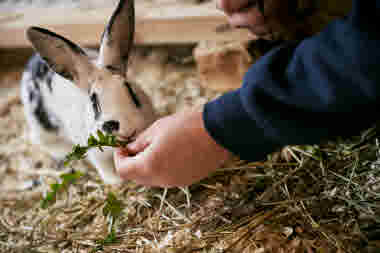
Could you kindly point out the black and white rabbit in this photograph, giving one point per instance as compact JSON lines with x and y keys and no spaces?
{"x":69,"y":93}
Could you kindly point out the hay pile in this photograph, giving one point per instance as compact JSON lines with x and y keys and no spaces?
{"x":321,"y":198}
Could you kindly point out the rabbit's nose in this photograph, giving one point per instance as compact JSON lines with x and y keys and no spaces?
{"x":111,"y":126}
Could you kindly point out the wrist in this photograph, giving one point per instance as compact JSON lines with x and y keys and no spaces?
{"x":223,"y":153}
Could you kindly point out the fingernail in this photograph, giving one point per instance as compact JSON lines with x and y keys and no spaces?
{"x":132,"y":150}
{"x":132,"y":143}
{"x":122,"y":152}
{"x":132,"y":146}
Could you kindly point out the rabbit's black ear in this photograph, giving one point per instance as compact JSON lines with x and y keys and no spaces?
{"x":117,"y":38}
{"x":63,"y":56}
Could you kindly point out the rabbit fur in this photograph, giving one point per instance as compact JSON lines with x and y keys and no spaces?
{"x":69,"y":93}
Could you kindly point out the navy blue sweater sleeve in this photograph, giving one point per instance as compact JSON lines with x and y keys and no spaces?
{"x":302,"y":93}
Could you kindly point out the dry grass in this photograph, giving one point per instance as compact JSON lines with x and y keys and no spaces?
{"x":322,"y":198}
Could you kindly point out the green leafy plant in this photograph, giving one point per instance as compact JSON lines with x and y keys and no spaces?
{"x":110,"y":239}
{"x":78,"y":153}
{"x":113,"y":207}
{"x":104,"y":140}
{"x":66,"y":180}
{"x":113,"y":210}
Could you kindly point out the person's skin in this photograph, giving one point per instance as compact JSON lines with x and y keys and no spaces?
{"x":177,"y":150}
{"x":244,"y":14}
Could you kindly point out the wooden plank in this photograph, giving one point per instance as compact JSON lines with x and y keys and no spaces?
{"x":164,"y":25}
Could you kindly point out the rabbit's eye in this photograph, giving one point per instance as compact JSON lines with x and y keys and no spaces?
{"x":95,"y":105}
{"x":133,"y":94}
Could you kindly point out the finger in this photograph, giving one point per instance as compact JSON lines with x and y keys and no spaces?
{"x":123,"y":151}
{"x":132,"y":168}
{"x":141,"y":142}
{"x":253,"y":20}
{"x":242,"y":20}
{"x":119,"y":155}
{"x":126,"y":166}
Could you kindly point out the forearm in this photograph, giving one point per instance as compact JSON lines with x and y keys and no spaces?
{"x":303,"y":93}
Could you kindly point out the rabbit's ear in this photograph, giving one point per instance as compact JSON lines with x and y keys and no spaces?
{"x":117,"y":39}
{"x":62,"y":55}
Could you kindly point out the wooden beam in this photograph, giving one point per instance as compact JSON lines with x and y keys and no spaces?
{"x":165,"y":25}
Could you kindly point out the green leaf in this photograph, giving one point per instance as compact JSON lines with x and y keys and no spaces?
{"x":66,"y":163}
{"x":92,"y":141}
{"x":112,"y":140}
{"x":67,"y":179}
{"x":55,"y":187}
{"x":111,"y":238}
{"x":49,"y":199}
{"x":113,"y":207}
{"x":105,"y":140}
{"x":102,"y":137}
{"x":70,"y":178}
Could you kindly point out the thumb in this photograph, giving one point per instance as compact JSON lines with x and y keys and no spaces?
{"x":125,"y":165}
{"x":120,"y":155}
{"x":139,"y":144}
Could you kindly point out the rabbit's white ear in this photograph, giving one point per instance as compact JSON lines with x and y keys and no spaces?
{"x":62,"y":55}
{"x":117,"y":38}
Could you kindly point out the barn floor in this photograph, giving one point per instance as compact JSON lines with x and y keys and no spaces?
{"x":322,"y":198}
{"x":294,"y":202}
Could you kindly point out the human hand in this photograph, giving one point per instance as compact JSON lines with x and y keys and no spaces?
{"x":175,"y":151}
